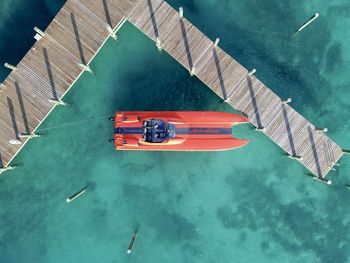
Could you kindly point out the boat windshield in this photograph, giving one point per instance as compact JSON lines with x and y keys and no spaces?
{"x":157,"y":131}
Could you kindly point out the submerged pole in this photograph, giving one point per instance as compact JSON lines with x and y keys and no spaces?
{"x":76,"y":195}
{"x":308,"y":22}
{"x":132,"y":241}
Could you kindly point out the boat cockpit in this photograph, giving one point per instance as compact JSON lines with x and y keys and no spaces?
{"x":157,"y":131}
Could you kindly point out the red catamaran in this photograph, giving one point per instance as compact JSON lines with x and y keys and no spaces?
{"x":176,"y":131}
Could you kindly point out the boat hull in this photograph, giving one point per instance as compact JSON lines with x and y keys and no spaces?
{"x":193,"y":131}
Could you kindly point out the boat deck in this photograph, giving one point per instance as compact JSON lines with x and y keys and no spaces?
{"x":79,"y":30}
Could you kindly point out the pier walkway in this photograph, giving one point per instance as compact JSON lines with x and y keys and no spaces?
{"x":39,"y":81}
{"x":80,"y":29}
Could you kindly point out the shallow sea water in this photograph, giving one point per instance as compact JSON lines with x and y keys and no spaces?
{"x":247,"y":205}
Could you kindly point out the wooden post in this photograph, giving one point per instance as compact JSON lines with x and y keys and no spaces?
{"x":159,"y":44}
{"x":321,"y":130}
{"x":2,"y":86}
{"x":39,"y":34}
{"x":294,"y":157}
{"x":216,"y":43}
{"x":181,"y":12}
{"x":57,"y":102}
{"x":227,"y":100}
{"x":111,"y":32}
{"x":260,"y":129}
{"x":193,"y":70}
{"x":85,"y":67}
{"x":15,"y":141}
{"x":289,"y":100}
{"x":346,"y":151}
{"x":322,"y":180}
{"x":9,"y":66}
{"x":7,"y":168}
{"x":29,"y":136}
{"x":252,"y":72}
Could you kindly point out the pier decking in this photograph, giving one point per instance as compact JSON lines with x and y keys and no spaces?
{"x":52,"y":65}
{"x":80,"y":29}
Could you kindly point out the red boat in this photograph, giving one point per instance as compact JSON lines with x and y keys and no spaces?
{"x":176,"y":131}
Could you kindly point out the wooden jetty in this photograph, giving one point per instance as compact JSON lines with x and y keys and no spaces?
{"x":60,"y":55}
{"x":80,"y":29}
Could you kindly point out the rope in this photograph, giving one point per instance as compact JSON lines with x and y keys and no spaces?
{"x":72,"y":123}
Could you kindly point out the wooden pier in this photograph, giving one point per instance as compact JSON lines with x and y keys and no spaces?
{"x":61,"y":53}
{"x":80,"y":29}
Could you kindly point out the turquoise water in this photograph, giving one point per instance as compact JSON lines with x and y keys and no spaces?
{"x":246,"y":205}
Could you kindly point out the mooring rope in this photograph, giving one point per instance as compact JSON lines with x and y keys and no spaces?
{"x":73,"y":123}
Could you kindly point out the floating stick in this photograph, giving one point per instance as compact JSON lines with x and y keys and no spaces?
{"x":132,"y":241}
{"x":77,"y":194}
{"x":308,"y":22}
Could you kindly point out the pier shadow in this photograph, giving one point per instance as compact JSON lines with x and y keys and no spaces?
{"x":107,"y":14}
{"x":1,"y":162}
{"x":77,"y":37}
{"x":21,"y":105}
{"x":218,"y":69}
{"x":13,"y":117}
{"x":255,"y":105}
{"x":49,"y":73}
{"x":187,"y":46}
{"x":153,"y":19}
{"x":314,"y":151}
{"x":289,"y":130}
